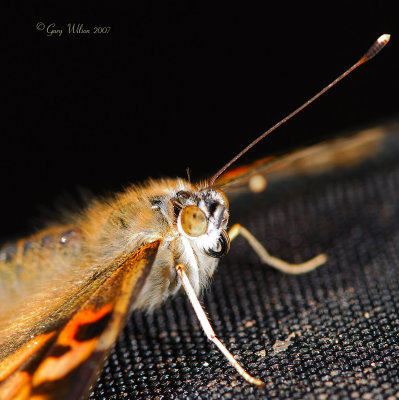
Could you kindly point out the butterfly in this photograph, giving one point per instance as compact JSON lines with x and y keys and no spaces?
{"x":67,"y":291}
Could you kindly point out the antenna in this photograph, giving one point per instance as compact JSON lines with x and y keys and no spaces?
{"x":378,"y":45}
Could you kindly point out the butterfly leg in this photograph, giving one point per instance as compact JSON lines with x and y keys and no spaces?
{"x":274,"y":262}
{"x":206,"y":326}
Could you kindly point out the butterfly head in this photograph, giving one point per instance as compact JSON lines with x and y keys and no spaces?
{"x":202,"y":216}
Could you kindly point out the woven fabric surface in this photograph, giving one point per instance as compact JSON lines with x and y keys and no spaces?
{"x":332,"y":333}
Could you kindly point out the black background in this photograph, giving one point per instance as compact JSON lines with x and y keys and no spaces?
{"x":176,"y":85}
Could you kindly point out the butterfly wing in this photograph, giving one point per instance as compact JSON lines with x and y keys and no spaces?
{"x":64,"y":362}
{"x":332,"y":154}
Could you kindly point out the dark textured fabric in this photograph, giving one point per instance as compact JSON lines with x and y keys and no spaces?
{"x":332,"y":333}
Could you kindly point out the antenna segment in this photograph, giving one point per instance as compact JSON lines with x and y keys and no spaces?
{"x":378,"y":45}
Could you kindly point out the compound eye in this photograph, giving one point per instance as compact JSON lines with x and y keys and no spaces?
{"x":193,"y":221}
{"x":224,"y":197}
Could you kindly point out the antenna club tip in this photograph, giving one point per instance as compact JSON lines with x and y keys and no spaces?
{"x":378,"y":45}
{"x":384,"y":39}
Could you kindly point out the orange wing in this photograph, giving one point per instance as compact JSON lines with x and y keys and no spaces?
{"x":64,"y":362}
{"x":319,"y":158}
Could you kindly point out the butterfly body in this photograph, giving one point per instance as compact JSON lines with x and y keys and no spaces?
{"x":68,"y":272}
